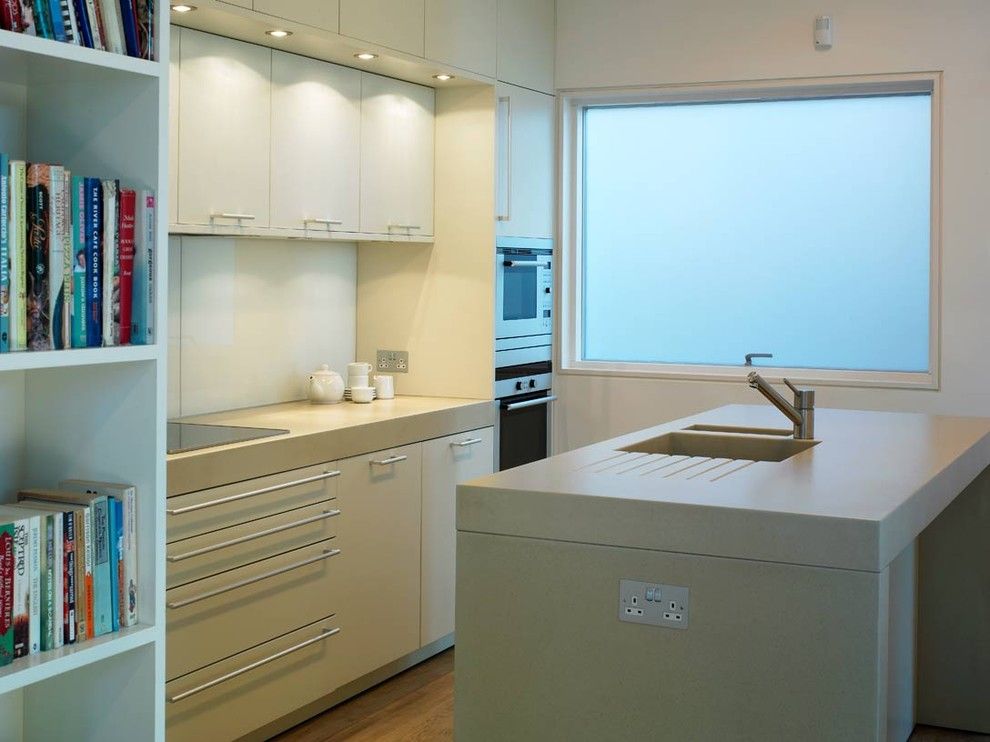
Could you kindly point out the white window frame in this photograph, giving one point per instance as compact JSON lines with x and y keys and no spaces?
{"x":572,"y":105}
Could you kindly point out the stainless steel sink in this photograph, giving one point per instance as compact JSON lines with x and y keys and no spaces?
{"x":786,"y":432}
{"x":729,"y":445}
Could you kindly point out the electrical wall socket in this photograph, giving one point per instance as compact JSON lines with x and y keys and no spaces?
{"x":654,"y":603}
{"x":393,"y":361}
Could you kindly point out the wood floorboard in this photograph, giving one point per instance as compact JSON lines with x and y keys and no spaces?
{"x":418,"y":706}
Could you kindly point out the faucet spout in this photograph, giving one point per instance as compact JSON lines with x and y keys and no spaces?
{"x":801,"y":413}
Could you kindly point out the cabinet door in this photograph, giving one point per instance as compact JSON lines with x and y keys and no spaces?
{"x":525,"y":163}
{"x":397,"y":24}
{"x":396,"y":157}
{"x":316,"y":141}
{"x":224,"y":134}
{"x":379,"y":540}
{"x":175,"y":54}
{"x":318,"y":13}
{"x":447,"y":462}
{"x":526,"y":31}
{"x":462,"y":33}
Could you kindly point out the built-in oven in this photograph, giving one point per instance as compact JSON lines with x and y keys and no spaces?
{"x":524,"y":396}
{"x":523,"y":287}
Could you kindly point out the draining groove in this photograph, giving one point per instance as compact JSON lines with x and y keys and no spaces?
{"x":733,"y":471}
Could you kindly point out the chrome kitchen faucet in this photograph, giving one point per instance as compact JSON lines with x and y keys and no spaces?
{"x":801,"y":413}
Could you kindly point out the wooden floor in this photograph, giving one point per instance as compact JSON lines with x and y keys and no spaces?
{"x":418,"y":706}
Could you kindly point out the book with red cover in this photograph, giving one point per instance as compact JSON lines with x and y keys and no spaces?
{"x":10,"y":15}
{"x":128,"y":206}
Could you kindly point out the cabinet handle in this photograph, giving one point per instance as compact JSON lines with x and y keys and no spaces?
{"x":230,"y":215}
{"x":327,"y":553}
{"x":252,"y":536}
{"x":404,"y":226}
{"x":505,"y":103}
{"x":324,"y":634}
{"x":389,"y":460}
{"x":252,"y":493}
{"x":327,"y":222}
{"x":508,"y":407}
{"x":468,"y":442}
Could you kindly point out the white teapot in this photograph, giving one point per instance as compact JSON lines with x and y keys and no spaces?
{"x":325,"y":386}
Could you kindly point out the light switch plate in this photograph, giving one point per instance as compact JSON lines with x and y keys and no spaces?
{"x":654,"y":603}
{"x":392,"y":361}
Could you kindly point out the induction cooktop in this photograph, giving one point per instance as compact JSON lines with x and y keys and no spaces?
{"x":184,"y":437}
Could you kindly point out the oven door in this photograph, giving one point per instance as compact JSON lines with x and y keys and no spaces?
{"x":524,"y":429}
{"x":522,"y":294}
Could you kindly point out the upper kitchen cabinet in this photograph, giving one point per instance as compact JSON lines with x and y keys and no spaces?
{"x":316,"y":141}
{"x":525,"y":166}
{"x":459,"y":33}
{"x":397,"y":24}
{"x":526,"y":31}
{"x":396,"y":157}
{"x":317,"y":13}
{"x":224,"y":131}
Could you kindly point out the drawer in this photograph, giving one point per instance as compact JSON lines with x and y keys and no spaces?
{"x":219,"y":551}
{"x":211,"y":509}
{"x":219,"y":616}
{"x":242,"y":693}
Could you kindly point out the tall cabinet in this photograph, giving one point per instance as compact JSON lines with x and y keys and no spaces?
{"x":95,"y":413}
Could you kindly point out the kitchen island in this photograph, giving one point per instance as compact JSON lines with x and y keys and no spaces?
{"x":712,"y":578}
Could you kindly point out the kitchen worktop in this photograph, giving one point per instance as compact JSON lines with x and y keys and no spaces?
{"x":855,"y":500}
{"x":319,"y":433}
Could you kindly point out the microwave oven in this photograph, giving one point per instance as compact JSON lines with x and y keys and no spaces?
{"x":523,"y":288}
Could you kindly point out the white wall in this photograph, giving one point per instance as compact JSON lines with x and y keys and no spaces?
{"x":250,"y":318}
{"x":641,"y":42}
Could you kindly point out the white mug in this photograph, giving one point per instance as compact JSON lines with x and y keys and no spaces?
{"x":385,"y":386}
{"x":359,"y":368}
{"x":353,"y":381}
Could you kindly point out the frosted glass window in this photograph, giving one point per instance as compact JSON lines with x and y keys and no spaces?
{"x":795,"y":227}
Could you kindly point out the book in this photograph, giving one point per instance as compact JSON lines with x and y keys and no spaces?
{"x":126,"y":496}
{"x":116,"y":531}
{"x":4,"y":250}
{"x":6,"y":593}
{"x":58,"y":24}
{"x":56,"y":253}
{"x":78,"y":331}
{"x":69,"y":21}
{"x":128,"y":19}
{"x":32,"y":554}
{"x":82,"y":23}
{"x":67,"y":260}
{"x":146,"y":27}
{"x":94,"y":263}
{"x":111,"y":263}
{"x":28,"y":25}
{"x":18,"y":254}
{"x":42,"y":19}
{"x":95,"y":24}
{"x":84,"y":599}
{"x":69,"y":514}
{"x":23,"y":523}
{"x":10,"y":15}
{"x":128,"y":205}
{"x":39,"y":325}
{"x":113,"y":27}
{"x":143,"y":299}
{"x":54,"y":578}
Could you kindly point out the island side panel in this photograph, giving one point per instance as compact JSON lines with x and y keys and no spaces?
{"x":954,"y":613}
{"x":772,"y":651}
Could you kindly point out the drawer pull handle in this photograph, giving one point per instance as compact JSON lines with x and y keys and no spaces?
{"x":324,"y":634}
{"x":389,"y":460}
{"x":252,"y":493}
{"x":252,"y":536}
{"x":468,"y":442}
{"x":404,"y":226}
{"x":231,"y":215}
{"x":327,"y":553}
{"x":326,"y":222}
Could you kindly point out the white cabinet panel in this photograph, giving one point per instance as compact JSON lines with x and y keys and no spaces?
{"x":525,"y":192}
{"x":318,"y":13}
{"x":224,"y":130}
{"x":397,"y":24}
{"x":526,"y":43}
{"x":396,"y":157}
{"x":316,"y":143}
{"x":462,"y":33}
{"x":447,"y":462}
{"x":175,"y":46}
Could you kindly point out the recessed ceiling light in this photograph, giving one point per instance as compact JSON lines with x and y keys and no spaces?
{"x":278,"y":33}
{"x":182,"y":8}
{"x":366,"y":56}
{"x":443,"y":77}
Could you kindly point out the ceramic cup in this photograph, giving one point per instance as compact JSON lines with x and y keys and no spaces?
{"x":359,"y":368}
{"x":385,"y":386}
{"x":353,"y":381}
{"x":362,"y":394}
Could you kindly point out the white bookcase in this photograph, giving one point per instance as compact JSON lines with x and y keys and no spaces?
{"x":94,"y":413}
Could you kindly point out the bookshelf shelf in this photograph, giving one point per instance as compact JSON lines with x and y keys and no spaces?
{"x":27,"y":360}
{"x":20,"y":53}
{"x":37,"y":667}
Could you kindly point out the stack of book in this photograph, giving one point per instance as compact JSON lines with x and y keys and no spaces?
{"x":68,"y":566}
{"x":76,"y":260}
{"x":119,"y":26}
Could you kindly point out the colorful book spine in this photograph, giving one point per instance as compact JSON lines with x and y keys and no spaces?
{"x":113,"y":27}
{"x":69,"y":577}
{"x":78,"y":332}
{"x":6,"y":593}
{"x":128,"y":18}
{"x":94,"y":263}
{"x":10,"y":15}
{"x":86,"y":619}
{"x":115,"y":539}
{"x":39,"y":325}
{"x":28,"y":25}
{"x":18,"y":255}
{"x":42,"y":19}
{"x":58,"y":25}
{"x":143,"y":302}
{"x":128,"y":206}
{"x":102,"y":585}
{"x":58,"y":571}
{"x":21,"y":606}
{"x":69,"y":21}
{"x":68,"y":286}
{"x":96,"y":24}
{"x":82,"y":23}
{"x":34,"y":555}
{"x":48,"y":584}
{"x":56,"y":253}
{"x":4,"y":251}
{"x":111,"y":263}
{"x":146,"y":27}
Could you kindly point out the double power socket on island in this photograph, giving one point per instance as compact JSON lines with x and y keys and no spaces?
{"x":392,"y":362}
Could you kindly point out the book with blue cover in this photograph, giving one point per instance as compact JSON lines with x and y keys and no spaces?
{"x":94,"y":263}
{"x":116,"y":530}
{"x":129,"y":19}
{"x":102,"y":586}
{"x":58,"y":24}
{"x":82,"y":22}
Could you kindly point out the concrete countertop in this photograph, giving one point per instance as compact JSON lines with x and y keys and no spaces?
{"x":318,"y":434}
{"x":853,"y":501}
